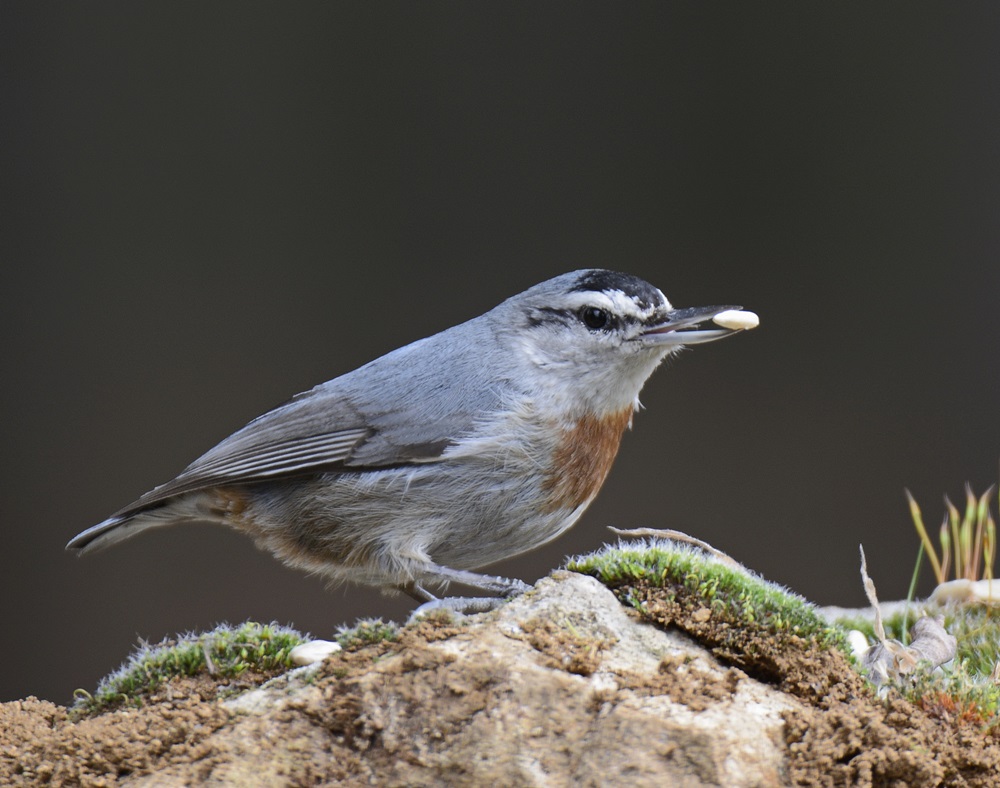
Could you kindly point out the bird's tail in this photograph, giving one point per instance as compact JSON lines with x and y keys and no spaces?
{"x":184,"y":508}
{"x":101,"y":535}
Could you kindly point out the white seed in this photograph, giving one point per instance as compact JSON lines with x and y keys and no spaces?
{"x":736,"y":319}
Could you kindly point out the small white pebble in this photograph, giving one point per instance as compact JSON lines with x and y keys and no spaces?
{"x":986,"y":590}
{"x":736,"y":319}
{"x":858,"y":642}
{"x":960,"y":590}
{"x":313,"y":651}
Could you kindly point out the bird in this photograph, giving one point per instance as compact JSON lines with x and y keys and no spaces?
{"x":473,"y":445}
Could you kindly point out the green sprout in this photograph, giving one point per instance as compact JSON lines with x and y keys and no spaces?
{"x":968,"y":541}
{"x":966,"y":688}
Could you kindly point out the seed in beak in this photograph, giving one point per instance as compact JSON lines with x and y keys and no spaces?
{"x":736,"y":319}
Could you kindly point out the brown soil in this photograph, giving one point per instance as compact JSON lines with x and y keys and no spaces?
{"x":448,"y":723}
{"x":40,"y":745}
{"x":845,"y":735}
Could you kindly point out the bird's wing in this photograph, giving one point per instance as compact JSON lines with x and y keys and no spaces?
{"x":300,"y":435}
{"x":393,"y":411}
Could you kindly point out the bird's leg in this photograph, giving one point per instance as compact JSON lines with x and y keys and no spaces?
{"x":460,"y":605}
{"x":504,"y":587}
{"x":416,"y":591}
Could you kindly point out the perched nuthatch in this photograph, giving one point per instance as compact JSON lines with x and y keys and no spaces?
{"x":467,"y":447}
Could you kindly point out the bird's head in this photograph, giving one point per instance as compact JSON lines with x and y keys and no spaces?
{"x":591,"y":338}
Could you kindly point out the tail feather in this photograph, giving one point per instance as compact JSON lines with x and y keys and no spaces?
{"x":115,"y":529}
{"x":101,"y":535}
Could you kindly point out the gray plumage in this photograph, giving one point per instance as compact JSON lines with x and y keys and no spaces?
{"x":437,"y":457}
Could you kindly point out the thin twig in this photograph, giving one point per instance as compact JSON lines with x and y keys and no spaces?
{"x":676,"y":536}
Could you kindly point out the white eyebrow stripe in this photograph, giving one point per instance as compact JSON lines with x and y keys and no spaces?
{"x":614,"y":301}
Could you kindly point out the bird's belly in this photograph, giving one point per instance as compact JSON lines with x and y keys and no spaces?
{"x":455,"y":513}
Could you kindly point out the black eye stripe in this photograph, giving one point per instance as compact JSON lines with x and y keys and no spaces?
{"x":546,"y":314}
{"x":595,"y":318}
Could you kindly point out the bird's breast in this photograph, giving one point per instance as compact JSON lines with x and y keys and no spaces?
{"x":582,"y":459}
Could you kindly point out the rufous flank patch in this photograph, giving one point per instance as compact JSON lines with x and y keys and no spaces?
{"x":582,"y":459}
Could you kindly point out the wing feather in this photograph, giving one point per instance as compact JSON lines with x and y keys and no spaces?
{"x":283,"y":456}
{"x":314,"y":430}
{"x":340,"y":426}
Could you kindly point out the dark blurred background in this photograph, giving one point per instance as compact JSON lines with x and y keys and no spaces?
{"x":209,"y":207}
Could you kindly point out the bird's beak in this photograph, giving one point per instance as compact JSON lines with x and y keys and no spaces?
{"x":681,"y":325}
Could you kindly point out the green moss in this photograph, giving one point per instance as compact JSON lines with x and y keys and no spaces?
{"x":861,"y":624}
{"x":366,"y":632}
{"x":976,"y":627}
{"x":735,"y":595}
{"x":225,"y":653}
{"x":957,"y":693}
{"x":964,"y":688}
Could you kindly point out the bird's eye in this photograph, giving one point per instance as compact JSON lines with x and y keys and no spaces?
{"x":594,"y":318}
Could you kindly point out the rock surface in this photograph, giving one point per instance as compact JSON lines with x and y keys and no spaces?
{"x":563,"y":686}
